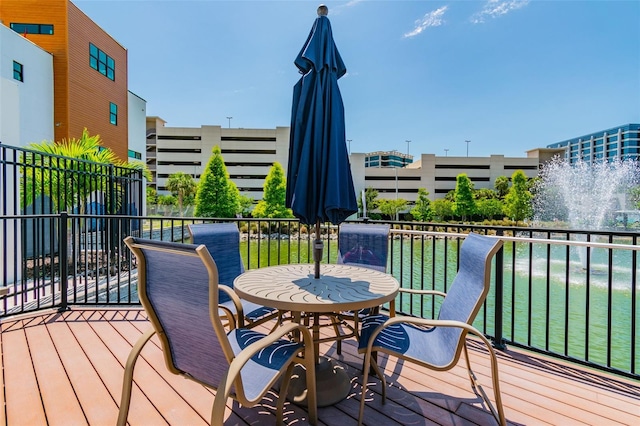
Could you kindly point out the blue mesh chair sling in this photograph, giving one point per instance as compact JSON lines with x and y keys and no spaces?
{"x":178,"y":288}
{"x":223,"y":242}
{"x":437,"y":344}
{"x":365,"y":245}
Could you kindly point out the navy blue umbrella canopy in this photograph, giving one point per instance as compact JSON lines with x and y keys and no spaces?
{"x":319,"y":181}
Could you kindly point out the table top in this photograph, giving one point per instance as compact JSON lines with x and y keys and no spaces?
{"x":294,"y":288}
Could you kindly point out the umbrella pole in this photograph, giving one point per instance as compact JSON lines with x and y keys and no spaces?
{"x":317,"y":251}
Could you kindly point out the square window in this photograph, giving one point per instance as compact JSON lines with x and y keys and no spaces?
{"x":100,"y":61}
{"x":18,"y":71}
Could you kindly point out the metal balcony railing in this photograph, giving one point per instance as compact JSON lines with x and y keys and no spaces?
{"x":568,"y":294}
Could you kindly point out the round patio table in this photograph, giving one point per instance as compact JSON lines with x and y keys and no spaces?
{"x":339,"y":288}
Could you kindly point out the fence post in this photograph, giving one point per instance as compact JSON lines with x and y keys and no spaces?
{"x":498,"y":342}
{"x":63,"y":261}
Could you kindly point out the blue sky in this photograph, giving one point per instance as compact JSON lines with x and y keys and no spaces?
{"x":508,"y":75}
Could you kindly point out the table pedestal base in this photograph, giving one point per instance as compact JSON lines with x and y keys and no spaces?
{"x":332,"y":383}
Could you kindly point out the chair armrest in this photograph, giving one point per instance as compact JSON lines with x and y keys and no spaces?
{"x":224,"y":389}
{"x":423,"y":292}
{"x":236,"y":301}
{"x":392,"y":305}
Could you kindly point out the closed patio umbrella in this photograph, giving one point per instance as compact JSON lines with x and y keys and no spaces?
{"x":319,"y":181}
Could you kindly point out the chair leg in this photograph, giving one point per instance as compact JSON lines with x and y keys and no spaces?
{"x":284,"y":388}
{"x":468,"y":362}
{"x":498,"y":410}
{"x":127,"y":382}
{"x":312,"y":399}
{"x":370,"y":363}
{"x":365,"y":379}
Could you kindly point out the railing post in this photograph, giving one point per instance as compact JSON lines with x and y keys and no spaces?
{"x":63,"y":261}
{"x":498,"y":341}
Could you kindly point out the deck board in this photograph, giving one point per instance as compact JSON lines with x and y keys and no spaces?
{"x":23,"y":402}
{"x":66,"y":369}
{"x":58,"y":396}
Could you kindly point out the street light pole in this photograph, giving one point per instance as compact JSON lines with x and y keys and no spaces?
{"x":407,"y":159}
{"x":229,"y":118}
{"x":467,"y":147}
{"x":446,"y":152}
{"x":396,"y":170}
{"x":349,"y":140}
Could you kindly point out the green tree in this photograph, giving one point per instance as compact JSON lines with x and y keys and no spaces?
{"x":490,"y":208}
{"x":442,"y":209}
{"x":484,"y":194}
{"x":272,"y":204}
{"x":181,"y":186}
{"x":152,"y":196}
{"x":502,"y":186}
{"x":245,"y":205}
{"x":634,"y":197}
{"x":167,"y":201}
{"x":517,"y":203}
{"x":464,"y":205}
{"x":422,"y":210}
{"x":391,"y":208}
{"x":217,"y":195}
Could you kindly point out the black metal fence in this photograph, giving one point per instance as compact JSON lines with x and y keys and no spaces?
{"x":37,"y":190}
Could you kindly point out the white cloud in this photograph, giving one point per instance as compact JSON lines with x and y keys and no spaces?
{"x":431,"y":19}
{"x":495,"y":8}
{"x":337,"y":9}
{"x":352,"y":3}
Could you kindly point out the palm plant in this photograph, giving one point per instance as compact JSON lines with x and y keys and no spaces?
{"x":182,"y":185}
{"x":68,"y":172}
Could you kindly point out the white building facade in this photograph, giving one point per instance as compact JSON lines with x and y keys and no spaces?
{"x":26,"y":90}
{"x":438,"y":174}
{"x":250,"y":153}
{"x":26,"y":115}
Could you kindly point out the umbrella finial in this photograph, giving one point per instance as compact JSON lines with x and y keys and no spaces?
{"x":323,"y":10}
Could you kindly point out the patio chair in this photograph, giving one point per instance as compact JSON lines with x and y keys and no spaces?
{"x":178,"y":288}
{"x":365,"y":245}
{"x":437,"y":344}
{"x":223,"y":242}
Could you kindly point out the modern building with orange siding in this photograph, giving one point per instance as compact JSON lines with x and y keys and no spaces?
{"x":89,"y":67}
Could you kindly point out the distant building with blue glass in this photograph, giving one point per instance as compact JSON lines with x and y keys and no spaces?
{"x":387,"y":159}
{"x":617,"y":143}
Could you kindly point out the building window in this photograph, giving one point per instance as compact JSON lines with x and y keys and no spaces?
{"x":135,"y":154}
{"x":113,"y":113}
{"x":25,"y":29}
{"x":18,"y":71}
{"x":102,"y":62}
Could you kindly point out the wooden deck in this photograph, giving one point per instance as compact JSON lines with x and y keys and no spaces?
{"x":66,"y":369}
